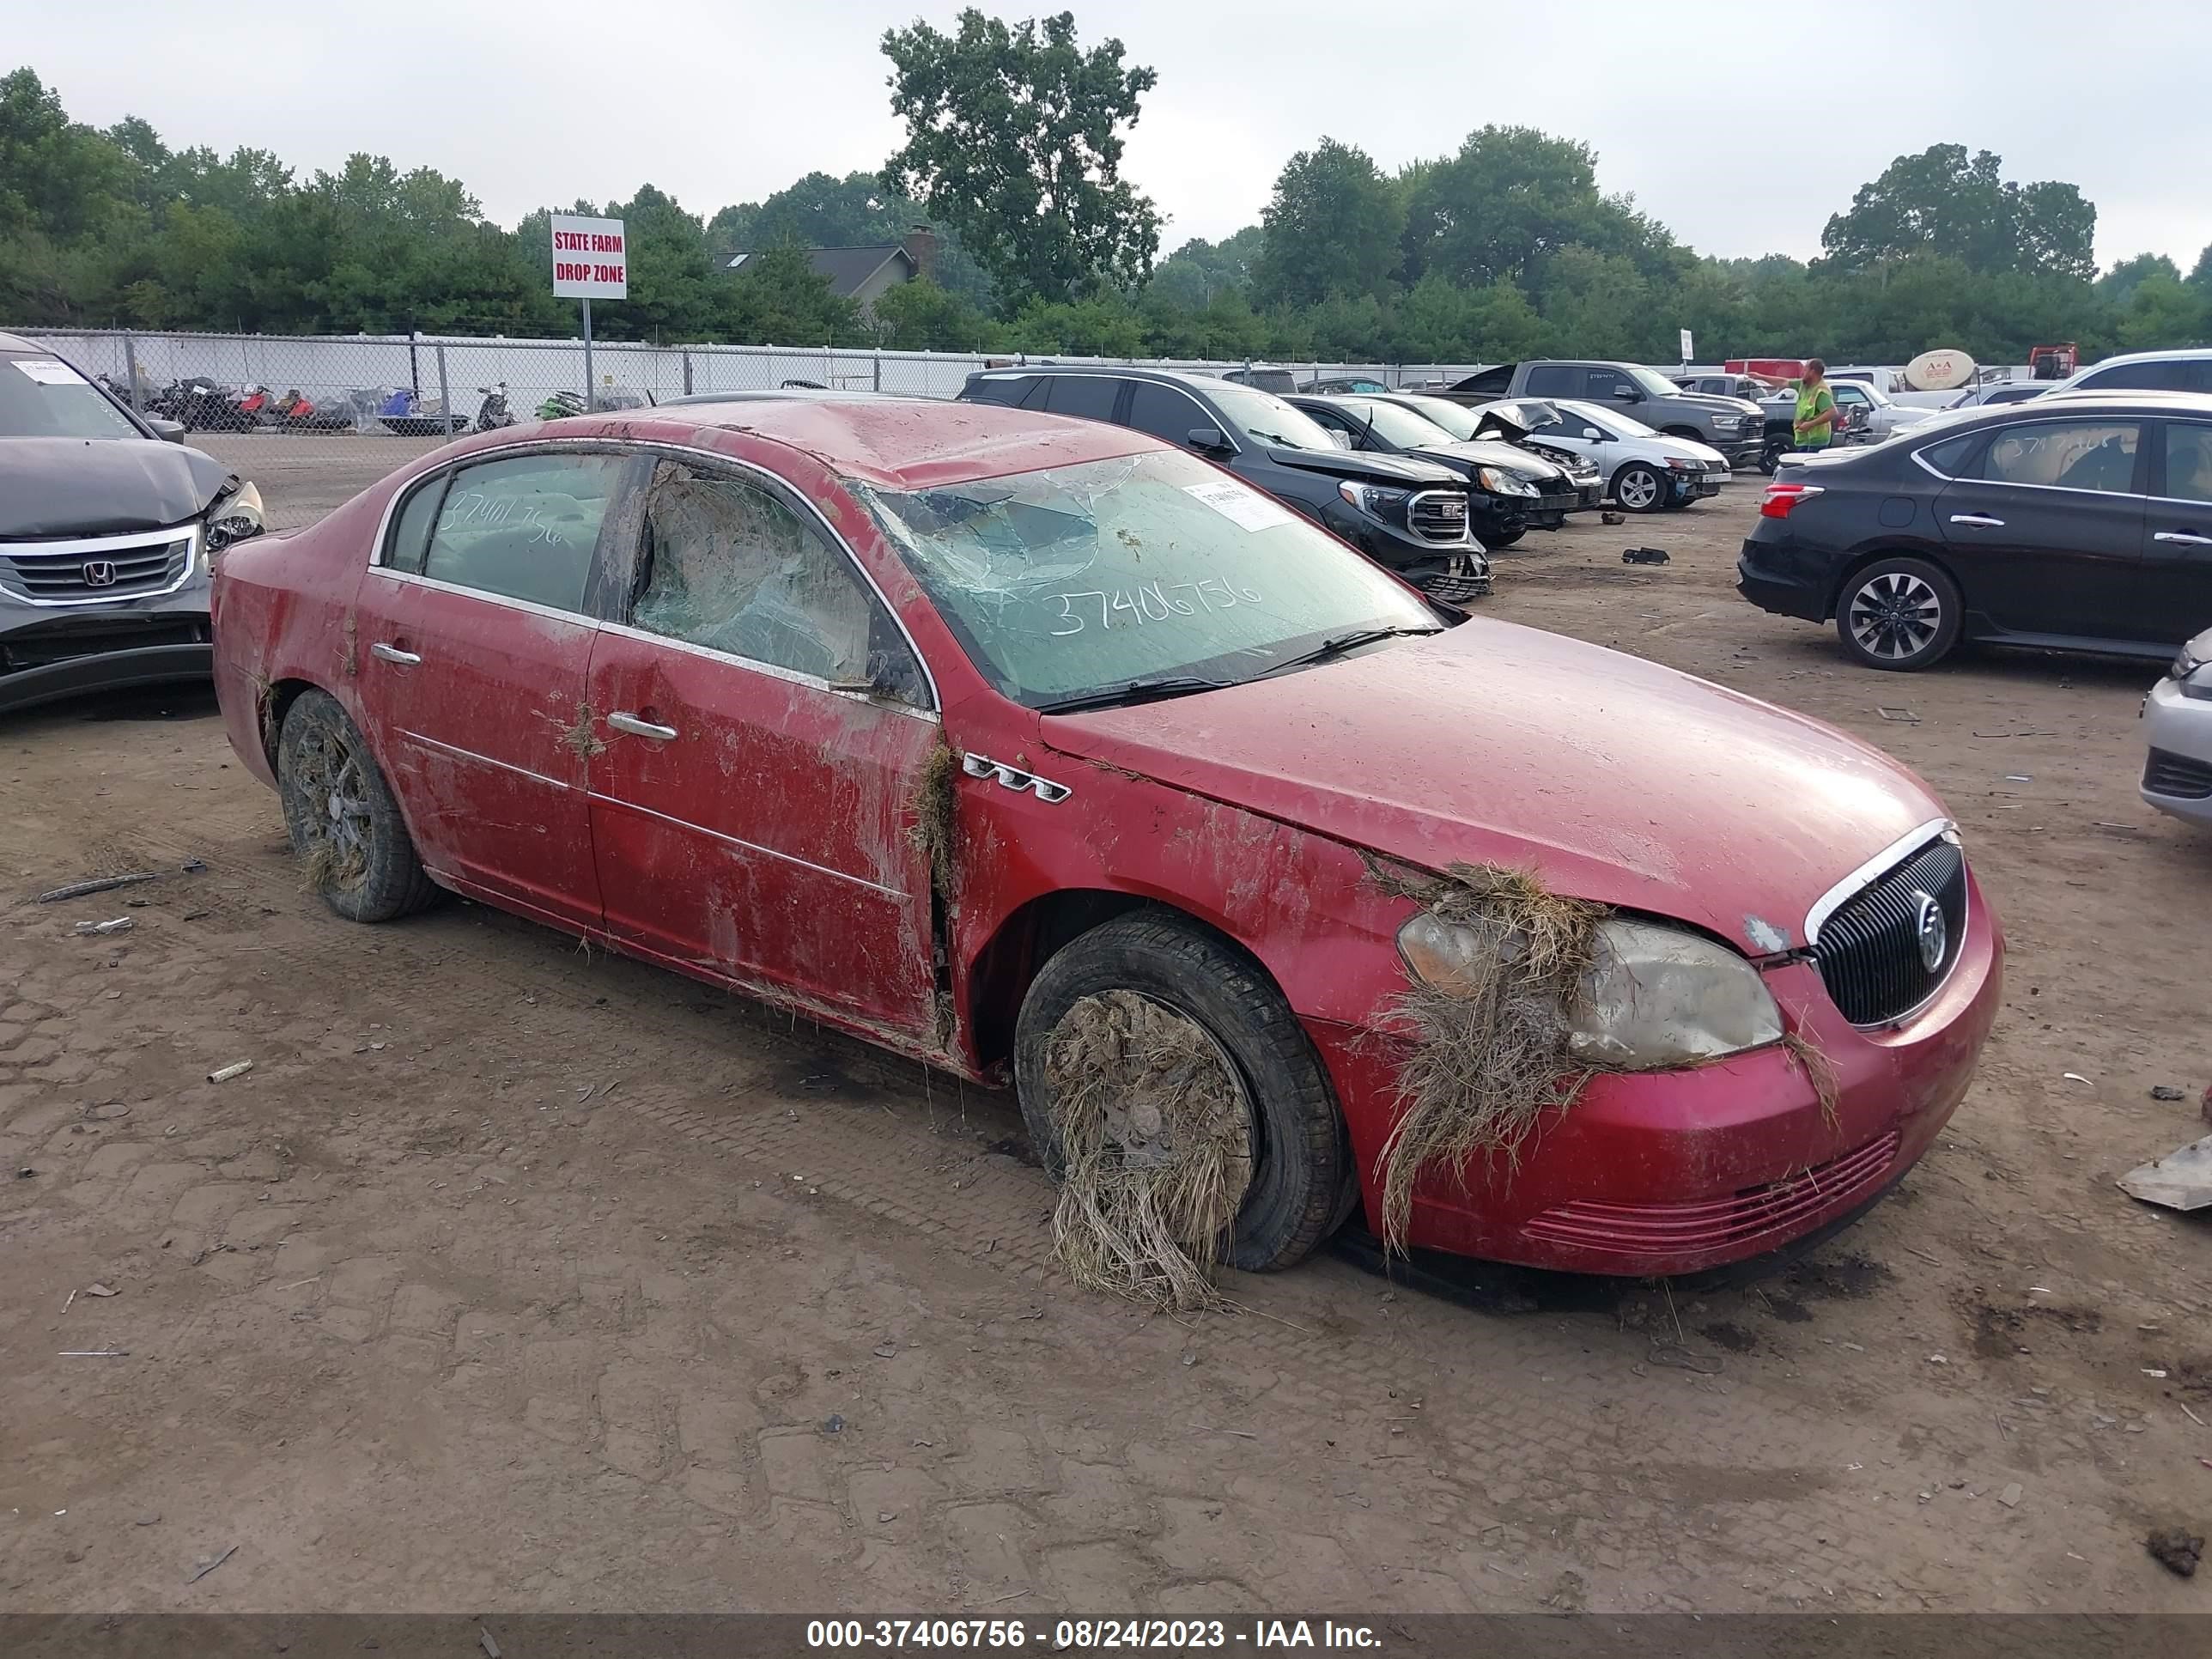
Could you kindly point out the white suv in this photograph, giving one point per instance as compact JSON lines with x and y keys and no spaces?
{"x":2144,"y":370}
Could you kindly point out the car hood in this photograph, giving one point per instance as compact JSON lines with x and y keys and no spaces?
{"x":1395,"y":472}
{"x":1478,"y":453}
{"x":57,"y":487}
{"x":1714,"y":400}
{"x":1684,"y":449}
{"x":1615,"y":779}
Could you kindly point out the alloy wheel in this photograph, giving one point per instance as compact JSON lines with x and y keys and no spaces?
{"x":1637,"y":490}
{"x":1896,"y":615}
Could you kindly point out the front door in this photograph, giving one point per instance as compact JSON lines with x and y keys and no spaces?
{"x":768,"y":732}
{"x":2177,"y":585}
{"x":475,"y":634}
{"x":2047,"y":537}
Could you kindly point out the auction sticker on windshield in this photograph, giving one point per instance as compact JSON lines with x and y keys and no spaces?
{"x":1246,"y":508}
{"x":48,"y":371}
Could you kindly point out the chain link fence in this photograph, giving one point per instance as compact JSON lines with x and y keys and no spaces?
{"x":423,"y":385}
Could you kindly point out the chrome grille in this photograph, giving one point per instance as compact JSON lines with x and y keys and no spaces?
{"x":1869,"y":948}
{"x":1437,"y":515}
{"x":95,"y":573}
{"x":2169,"y":774}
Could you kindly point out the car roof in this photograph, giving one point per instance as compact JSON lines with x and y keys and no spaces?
{"x":1166,"y":376}
{"x":2144,"y":403}
{"x":896,"y":443}
{"x":2179,"y":354}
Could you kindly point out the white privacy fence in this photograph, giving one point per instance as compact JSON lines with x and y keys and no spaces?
{"x":417,"y":384}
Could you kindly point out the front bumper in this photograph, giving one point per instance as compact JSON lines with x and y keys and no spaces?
{"x":49,"y":655}
{"x":1744,"y":449}
{"x":1696,"y":486}
{"x":1681,"y":1172}
{"x":2177,"y":775}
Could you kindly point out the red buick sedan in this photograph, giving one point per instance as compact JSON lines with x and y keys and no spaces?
{"x":932,"y":720}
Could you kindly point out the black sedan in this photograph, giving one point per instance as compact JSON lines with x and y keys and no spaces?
{"x":1512,"y":492}
{"x":107,"y":535}
{"x":2079,"y":522}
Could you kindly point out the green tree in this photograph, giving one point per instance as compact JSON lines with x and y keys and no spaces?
{"x":777,"y":299}
{"x":2117,"y":284}
{"x":2163,"y":311}
{"x":1014,"y":139}
{"x":923,"y":316}
{"x":1944,"y":203}
{"x":1500,"y":208}
{"x":56,"y":174}
{"x":1331,"y":228}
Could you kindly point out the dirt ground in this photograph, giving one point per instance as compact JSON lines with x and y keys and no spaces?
{"x":515,"y":1277}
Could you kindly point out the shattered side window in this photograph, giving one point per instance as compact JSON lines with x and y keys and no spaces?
{"x":730,"y":567}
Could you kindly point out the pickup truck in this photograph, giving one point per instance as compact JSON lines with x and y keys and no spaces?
{"x":1735,"y":426}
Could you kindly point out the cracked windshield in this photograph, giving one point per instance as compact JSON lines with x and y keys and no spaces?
{"x":1077,"y":581}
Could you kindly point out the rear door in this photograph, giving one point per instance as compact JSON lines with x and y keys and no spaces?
{"x":2176,"y":580}
{"x":768,"y":730}
{"x":2047,"y":538}
{"x":475,"y":631}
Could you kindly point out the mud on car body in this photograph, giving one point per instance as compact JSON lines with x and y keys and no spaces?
{"x":107,"y":537}
{"x":939,"y":723}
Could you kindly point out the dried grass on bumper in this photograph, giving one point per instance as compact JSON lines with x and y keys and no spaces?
{"x":1490,"y":1054}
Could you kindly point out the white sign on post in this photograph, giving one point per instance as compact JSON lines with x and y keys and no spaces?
{"x":588,"y":258}
{"x":1686,"y":352}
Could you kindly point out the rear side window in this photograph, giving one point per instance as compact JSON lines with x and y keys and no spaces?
{"x":2188,"y":463}
{"x":2099,"y":455}
{"x":1952,"y":456}
{"x":2169,"y":375}
{"x":524,"y":528}
{"x":1087,"y":397}
{"x":995,"y":389}
{"x":410,"y":525}
{"x":1552,"y":380}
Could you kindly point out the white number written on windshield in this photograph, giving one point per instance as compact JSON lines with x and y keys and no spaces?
{"x":1133,"y":607}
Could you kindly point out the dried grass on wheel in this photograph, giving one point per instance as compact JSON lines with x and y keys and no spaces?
{"x":1155,"y":1135}
{"x":1489,"y":1055}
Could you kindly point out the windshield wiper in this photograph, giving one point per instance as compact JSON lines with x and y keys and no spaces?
{"x":1344,"y":642}
{"x":1149,"y":690}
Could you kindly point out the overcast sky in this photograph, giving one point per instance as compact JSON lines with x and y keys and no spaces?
{"x":1741,"y":126}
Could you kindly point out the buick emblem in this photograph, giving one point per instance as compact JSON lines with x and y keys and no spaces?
{"x":100,"y":573}
{"x":1932,"y":932}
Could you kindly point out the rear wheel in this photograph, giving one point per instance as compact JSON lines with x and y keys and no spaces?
{"x":1770,"y":457}
{"x":1899,"y":614}
{"x":1150,"y":971}
{"x":1499,"y":538}
{"x":343,"y":820}
{"x":1638,"y":487}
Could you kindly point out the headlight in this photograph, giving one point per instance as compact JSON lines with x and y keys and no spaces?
{"x":2183,"y":671}
{"x":1498,"y":482}
{"x":1681,"y":465}
{"x":1372,"y":499}
{"x":1656,"y":997}
{"x":236,"y":517}
{"x":1659,"y":997}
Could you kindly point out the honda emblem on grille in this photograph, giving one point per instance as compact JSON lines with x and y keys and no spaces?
{"x":100,"y":573}
{"x":1932,"y":932}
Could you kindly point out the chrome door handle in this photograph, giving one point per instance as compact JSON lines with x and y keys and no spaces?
{"x":638,"y":728}
{"x":1980,"y":520}
{"x":2187,"y":538}
{"x":384,"y":652}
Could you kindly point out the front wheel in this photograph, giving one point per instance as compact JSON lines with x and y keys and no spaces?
{"x":1639,"y":488}
{"x":1497,"y":538}
{"x":342,"y":819}
{"x":1151,"y":1010}
{"x":1897,"y":614}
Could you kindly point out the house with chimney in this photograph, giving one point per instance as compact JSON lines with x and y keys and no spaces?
{"x":863,"y":274}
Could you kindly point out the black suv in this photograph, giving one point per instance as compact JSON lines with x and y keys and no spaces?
{"x":1409,"y":516}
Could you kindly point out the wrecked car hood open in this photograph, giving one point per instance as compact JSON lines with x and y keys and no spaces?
{"x":101,"y":486}
{"x":1616,"y":779}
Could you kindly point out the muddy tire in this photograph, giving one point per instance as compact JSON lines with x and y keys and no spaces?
{"x":1897,"y":614}
{"x":343,"y":821}
{"x":1638,"y":487}
{"x":1504,"y":538}
{"x":1303,"y":1181}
